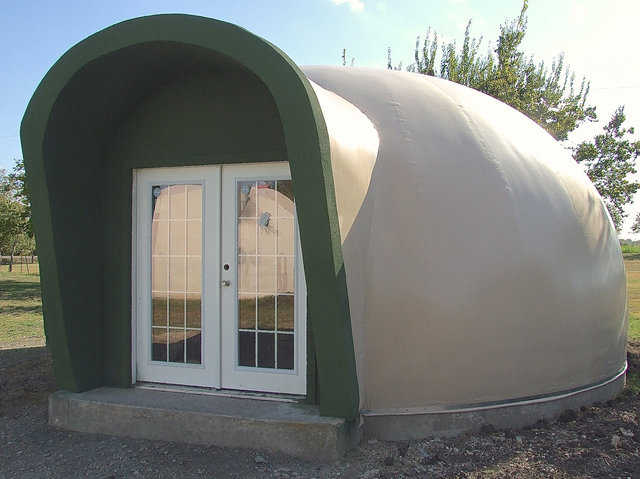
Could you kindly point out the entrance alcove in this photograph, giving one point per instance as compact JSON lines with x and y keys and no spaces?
{"x":164,"y":92}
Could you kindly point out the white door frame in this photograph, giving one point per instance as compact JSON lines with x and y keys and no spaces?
{"x":208,"y":372}
{"x":219,"y":342}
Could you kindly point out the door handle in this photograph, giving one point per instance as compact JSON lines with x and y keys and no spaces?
{"x":226,"y":282}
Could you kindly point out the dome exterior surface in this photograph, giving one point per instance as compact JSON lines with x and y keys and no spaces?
{"x":481,"y":263}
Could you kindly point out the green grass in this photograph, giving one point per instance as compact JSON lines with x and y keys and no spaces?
{"x":633,"y":381}
{"x":632,"y":264}
{"x":630,"y":249}
{"x":20,"y":310}
{"x":21,"y":268}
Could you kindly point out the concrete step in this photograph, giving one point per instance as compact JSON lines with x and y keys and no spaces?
{"x":292,"y":428}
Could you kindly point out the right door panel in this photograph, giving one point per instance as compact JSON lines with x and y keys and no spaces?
{"x":264,"y":294}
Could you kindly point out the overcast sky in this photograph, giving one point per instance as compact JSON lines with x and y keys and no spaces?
{"x":598,"y":37}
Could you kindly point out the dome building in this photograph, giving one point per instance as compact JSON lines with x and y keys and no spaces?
{"x":401,"y":253}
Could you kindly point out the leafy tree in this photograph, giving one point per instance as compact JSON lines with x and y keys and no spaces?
{"x":549,"y":97}
{"x":15,"y":214}
{"x":18,"y":181}
{"x":609,"y":160}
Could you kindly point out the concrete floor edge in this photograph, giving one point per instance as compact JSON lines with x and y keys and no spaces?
{"x":293,"y":429}
{"x":402,"y":427}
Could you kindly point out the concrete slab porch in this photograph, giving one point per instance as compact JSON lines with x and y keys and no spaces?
{"x":288,"y":427}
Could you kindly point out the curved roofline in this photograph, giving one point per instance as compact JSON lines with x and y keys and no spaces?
{"x":307,"y":145}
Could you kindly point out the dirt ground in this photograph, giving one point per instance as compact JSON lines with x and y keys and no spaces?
{"x":600,"y":441}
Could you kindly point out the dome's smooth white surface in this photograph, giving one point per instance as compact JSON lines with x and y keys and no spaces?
{"x":481,"y":263}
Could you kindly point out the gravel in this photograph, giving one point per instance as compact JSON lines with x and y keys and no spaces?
{"x":599,"y":441}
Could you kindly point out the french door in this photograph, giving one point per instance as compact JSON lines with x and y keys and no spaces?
{"x":218,"y":278}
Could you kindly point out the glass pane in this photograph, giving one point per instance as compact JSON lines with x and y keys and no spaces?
{"x":194,"y":275}
{"x":247,"y":311}
{"x":266,"y":248}
{"x":176,"y":345}
{"x":194,"y":347}
{"x":285,"y":312}
{"x":159,"y":309}
{"x":176,"y":273}
{"x":247,"y":236}
{"x":176,"y":310}
{"x":194,"y":237}
{"x":286,"y":276}
{"x":177,"y":201}
{"x":247,"y":274}
{"x":194,"y":311}
{"x":267,"y":234}
{"x":266,"y":192}
{"x":266,"y":274}
{"x":194,"y":201}
{"x":285,"y":236}
{"x":160,"y":277}
{"x":266,"y":312}
{"x":160,"y":202}
{"x":266,"y":350}
{"x":246,"y":348}
{"x":159,"y":344}
{"x":177,"y":237}
{"x":285,"y":198}
{"x":285,"y":351}
{"x":160,"y":237}
{"x":246,"y":199}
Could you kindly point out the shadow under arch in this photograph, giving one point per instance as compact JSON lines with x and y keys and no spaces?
{"x":67,"y":133}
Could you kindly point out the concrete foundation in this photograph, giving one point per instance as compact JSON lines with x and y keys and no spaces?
{"x":288,"y":427}
{"x":411,"y":424}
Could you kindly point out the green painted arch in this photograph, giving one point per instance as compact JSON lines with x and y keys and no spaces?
{"x":52,"y":133}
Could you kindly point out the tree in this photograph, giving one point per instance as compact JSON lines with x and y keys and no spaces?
{"x":15,"y":214}
{"x":549,"y":97}
{"x":18,"y":181}
{"x":609,"y":160}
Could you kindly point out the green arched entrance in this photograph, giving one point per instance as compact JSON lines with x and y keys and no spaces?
{"x":82,"y":113}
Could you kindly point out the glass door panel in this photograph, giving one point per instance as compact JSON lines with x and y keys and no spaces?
{"x":177,"y":308}
{"x":176,"y":272}
{"x":266,"y":236}
{"x":261,"y":320}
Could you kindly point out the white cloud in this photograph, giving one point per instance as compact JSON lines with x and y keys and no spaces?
{"x":356,"y":5}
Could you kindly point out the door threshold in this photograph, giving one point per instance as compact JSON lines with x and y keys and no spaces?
{"x":259,"y":396}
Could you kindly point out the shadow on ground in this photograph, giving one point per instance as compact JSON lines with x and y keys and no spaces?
{"x":17,"y":290}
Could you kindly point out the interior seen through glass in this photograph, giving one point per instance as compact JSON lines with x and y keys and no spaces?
{"x":266,"y":274}
{"x":176,"y":273}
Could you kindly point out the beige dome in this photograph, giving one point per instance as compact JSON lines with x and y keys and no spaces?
{"x":482,"y":265}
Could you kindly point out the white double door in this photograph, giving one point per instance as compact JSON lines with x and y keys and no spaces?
{"x":218,"y":278}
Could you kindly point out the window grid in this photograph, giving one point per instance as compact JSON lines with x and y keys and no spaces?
{"x":256,"y":255}
{"x":169,"y":292}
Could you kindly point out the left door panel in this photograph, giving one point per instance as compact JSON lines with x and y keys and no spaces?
{"x":176,"y":275}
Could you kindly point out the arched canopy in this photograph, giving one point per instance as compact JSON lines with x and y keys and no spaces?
{"x":84,"y":237}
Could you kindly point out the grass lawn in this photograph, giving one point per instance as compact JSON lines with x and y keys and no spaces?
{"x":632,"y":263}
{"x":20,"y":311}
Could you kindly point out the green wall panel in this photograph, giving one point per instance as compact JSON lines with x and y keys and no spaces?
{"x":170,"y":90}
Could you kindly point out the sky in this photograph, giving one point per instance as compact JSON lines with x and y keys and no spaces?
{"x":599,"y":40}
